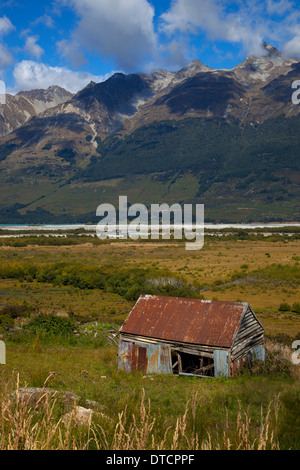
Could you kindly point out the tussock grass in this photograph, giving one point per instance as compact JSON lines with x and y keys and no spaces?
{"x":27,"y":426}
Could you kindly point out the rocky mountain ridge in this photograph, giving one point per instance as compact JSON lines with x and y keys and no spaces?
{"x":226,"y":129}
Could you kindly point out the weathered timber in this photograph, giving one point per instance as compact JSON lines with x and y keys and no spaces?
{"x":197,"y":335}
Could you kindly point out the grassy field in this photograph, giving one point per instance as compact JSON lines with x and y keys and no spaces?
{"x":258,"y":409}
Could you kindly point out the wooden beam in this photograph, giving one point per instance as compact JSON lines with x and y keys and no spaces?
{"x":203,"y":369}
{"x":179,"y":362}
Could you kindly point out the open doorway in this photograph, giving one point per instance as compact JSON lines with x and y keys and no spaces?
{"x":202,"y":366}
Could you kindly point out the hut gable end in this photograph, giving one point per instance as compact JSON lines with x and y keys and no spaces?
{"x":250,"y":334}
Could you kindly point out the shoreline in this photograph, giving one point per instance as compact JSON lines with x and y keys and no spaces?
{"x":90,"y":228}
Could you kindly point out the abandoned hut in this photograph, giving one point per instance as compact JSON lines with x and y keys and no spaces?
{"x":167,"y":335}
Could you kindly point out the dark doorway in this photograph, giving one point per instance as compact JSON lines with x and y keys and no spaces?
{"x":192,"y":364}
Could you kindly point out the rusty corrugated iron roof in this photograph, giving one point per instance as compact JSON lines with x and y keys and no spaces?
{"x":185,"y":320}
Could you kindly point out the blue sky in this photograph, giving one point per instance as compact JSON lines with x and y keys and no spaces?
{"x":71,"y":42}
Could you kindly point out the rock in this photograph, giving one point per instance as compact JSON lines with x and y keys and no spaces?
{"x":80,"y":415}
{"x":83,"y":416}
{"x":68,"y":400}
{"x":93,"y":404}
{"x":32,"y":395}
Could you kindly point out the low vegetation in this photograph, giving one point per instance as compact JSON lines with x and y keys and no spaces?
{"x":129,"y":283}
{"x":133,"y":427}
{"x":60,"y":313}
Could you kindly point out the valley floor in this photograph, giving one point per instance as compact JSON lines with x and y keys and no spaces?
{"x":258,"y":409}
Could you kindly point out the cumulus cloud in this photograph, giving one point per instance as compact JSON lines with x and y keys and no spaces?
{"x":292,"y":47}
{"x":246,"y":24}
{"x":175,"y":54}
{"x":243,"y":26}
{"x":31,"y":75}
{"x":5,"y":26}
{"x":70,"y":50}
{"x":46,"y":20}
{"x":118,"y":29}
{"x":32,"y":48}
{"x":279,"y":7}
{"x":5,"y":57}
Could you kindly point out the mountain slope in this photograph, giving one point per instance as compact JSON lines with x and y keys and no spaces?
{"x":226,"y":138}
{"x":26,"y":104}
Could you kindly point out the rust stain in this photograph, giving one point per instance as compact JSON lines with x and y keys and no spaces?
{"x":185,"y":320}
{"x":153,"y":363}
{"x":138,"y":358}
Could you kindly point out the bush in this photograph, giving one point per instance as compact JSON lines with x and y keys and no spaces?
{"x":284,"y":307}
{"x":274,"y":364}
{"x":296,"y":307}
{"x":6,"y":321}
{"x":52,"y":325}
{"x":129,"y":283}
{"x":16,"y":311}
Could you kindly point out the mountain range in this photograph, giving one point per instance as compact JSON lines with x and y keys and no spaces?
{"x":227,"y":138}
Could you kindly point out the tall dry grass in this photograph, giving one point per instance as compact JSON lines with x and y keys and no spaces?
{"x":27,"y":426}
{"x":34,"y":426}
{"x":139,"y":434}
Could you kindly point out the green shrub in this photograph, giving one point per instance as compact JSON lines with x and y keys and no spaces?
{"x":6,"y":321}
{"x":52,"y":325}
{"x":274,"y":364}
{"x":296,"y":307}
{"x":129,"y":283}
{"x":284,"y":307}
{"x":16,"y":311}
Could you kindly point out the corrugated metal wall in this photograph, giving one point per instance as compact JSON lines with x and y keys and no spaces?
{"x":221,"y":363}
{"x":147,"y":358}
{"x":156,"y":359}
{"x":257,"y":354}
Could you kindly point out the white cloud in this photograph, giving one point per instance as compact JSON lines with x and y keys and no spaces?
{"x":5,"y":57}
{"x":175,"y":54}
{"x":118,"y":29}
{"x":31,"y":75}
{"x":5,"y":26}
{"x":71,"y":51}
{"x":292,"y":47}
{"x":32,"y":48}
{"x":248,"y":24}
{"x":243,"y":26}
{"x":45,"y":20}
{"x":279,"y":7}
